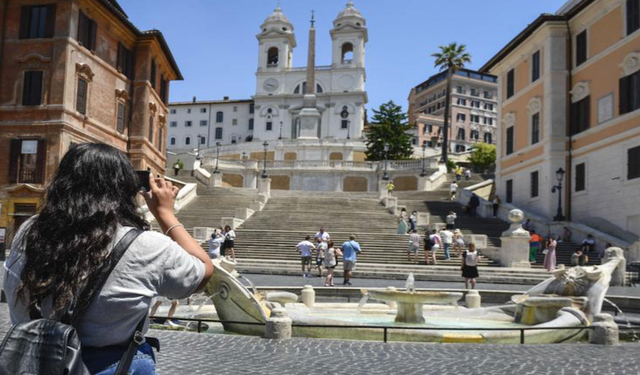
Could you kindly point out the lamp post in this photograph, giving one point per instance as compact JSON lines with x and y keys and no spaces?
{"x":280,"y":137}
{"x":424,"y":155}
{"x":385,"y":176}
{"x":560,"y":176}
{"x":217,"y":157}
{"x":264,"y":169}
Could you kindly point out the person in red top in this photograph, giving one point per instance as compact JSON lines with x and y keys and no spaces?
{"x":534,"y":246}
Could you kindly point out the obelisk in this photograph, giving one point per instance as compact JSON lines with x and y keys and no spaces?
{"x":309,"y":114}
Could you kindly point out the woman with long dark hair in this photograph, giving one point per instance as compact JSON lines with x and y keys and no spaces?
{"x":90,"y":204}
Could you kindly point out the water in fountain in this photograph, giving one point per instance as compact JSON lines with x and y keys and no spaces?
{"x":253,"y":286}
{"x":410,"y":285}
{"x":362,"y":302}
{"x":623,"y":316}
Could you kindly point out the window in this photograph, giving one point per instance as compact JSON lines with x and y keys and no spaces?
{"x":488,"y":121}
{"x":269,"y":125}
{"x":160,"y":139}
{"x":581,"y":48}
{"x":203,"y":110}
{"x":461,"y":134}
{"x":173,"y":124}
{"x":509,"y":191}
{"x":580,"y":177}
{"x":187,"y":141}
{"x":475,"y":118}
{"x":152,"y":74}
{"x":234,"y":139}
{"x":151,"y":129}
{"x":462,"y":101}
{"x":27,"y":161}
{"x":488,"y":95}
{"x":188,"y":110}
{"x":234,"y":121}
{"x":125,"y":61}
{"x":475,"y":103}
{"x":172,"y":141}
{"x":535,"y":128}
{"x":122,"y":110}
{"x":580,"y":115}
{"x":633,"y":16}
{"x":219,"y":116}
{"x":81,"y":96}
{"x":272,"y":57}
{"x":461,"y":117}
{"x":475,"y":135}
{"x":460,"y":90}
{"x":509,"y":145}
{"x":488,"y":107}
{"x":347,"y":53}
{"x":460,"y":148}
{"x":203,"y":122}
{"x":630,"y":93}
{"x":535,"y":66}
{"x":345,"y":124}
{"x":187,"y":124}
{"x":252,"y":108}
{"x":250,"y":124}
{"x":487,"y":138}
{"x":633,"y":163}
{"x":218,"y":133}
{"x":173,"y":111}
{"x":32,"y":88}
{"x":511,"y":83}
{"x":203,"y":140}
{"x":474,"y":92}
{"x":87,"y":30}
{"x":235,"y":108}
{"x":37,"y":21}
{"x":163,"y":90}
{"x":534,"y":184}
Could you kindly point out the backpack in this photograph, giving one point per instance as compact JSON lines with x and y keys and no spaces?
{"x":46,"y":346}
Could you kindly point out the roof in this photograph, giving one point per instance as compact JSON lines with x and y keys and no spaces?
{"x":440,"y":76}
{"x":212,"y":102}
{"x":116,"y":9}
{"x":531,"y":28}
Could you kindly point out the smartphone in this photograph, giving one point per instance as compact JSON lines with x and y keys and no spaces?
{"x":143,"y":180}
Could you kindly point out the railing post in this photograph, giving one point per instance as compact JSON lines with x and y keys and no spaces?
{"x":521,"y":336}
{"x":199,"y":326}
{"x":385,"y":334}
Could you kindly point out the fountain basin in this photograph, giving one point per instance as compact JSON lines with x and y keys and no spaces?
{"x":410,"y":303}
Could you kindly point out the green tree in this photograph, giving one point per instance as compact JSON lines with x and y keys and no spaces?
{"x":451,"y":57}
{"x":389,"y":126}
{"x":483,"y":156}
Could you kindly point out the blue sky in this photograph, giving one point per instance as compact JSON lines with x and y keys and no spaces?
{"x":215,"y":46}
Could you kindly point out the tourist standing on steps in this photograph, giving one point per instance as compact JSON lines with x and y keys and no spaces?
{"x":413,"y":220}
{"x":436,"y":242}
{"x":215,"y":243}
{"x":474,"y":202}
{"x":320,"y":255}
{"x":350,"y":250}
{"x":390,"y":187}
{"x":229,"y":242}
{"x":470,"y":266}
{"x":458,"y":173}
{"x":550,"y":254}
{"x":177,"y":166}
{"x":447,"y":240}
{"x":90,"y":206}
{"x":458,"y":242}
{"x":496,"y":205}
{"x":534,"y":246}
{"x":414,"y":246}
{"x":402,"y":222}
{"x":467,"y":174}
{"x":566,"y":234}
{"x":451,"y":220}
{"x":588,"y":244}
{"x":305,"y":248}
{"x":428,"y":246}
{"x":330,"y":262}
{"x":453,"y":190}
{"x":322,"y":235}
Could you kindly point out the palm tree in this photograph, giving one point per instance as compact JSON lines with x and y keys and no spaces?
{"x":451,"y":57}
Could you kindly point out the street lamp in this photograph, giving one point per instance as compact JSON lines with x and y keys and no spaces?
{"x":385,"y":176}
{"x":280,"y":137}
{"x":424,"y":156}
{"x":217,"y":157}
{"x":264,"y":169}
{"x":560,"y":176}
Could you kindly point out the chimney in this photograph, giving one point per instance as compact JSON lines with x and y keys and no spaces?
{"x":226,"y":98}
{"x":194,"y":99}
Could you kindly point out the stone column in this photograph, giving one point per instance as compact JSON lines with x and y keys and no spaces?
{"x":278,"y":326}
{"x":264,"y":187}
{"x":216,"y":179}
{"x":515,"y":243}
{"x":619,"y":275}
{"x":605,"y":331}
{"x":423,"y":183}
{"x":308,"y":296}
{"x":472,"y":299}
{"x":382,"y":189}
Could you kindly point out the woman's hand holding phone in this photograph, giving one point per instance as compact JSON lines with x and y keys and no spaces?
{"x":160,"y":200}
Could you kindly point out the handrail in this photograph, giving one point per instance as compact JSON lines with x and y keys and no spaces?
{"x":387,"y":328}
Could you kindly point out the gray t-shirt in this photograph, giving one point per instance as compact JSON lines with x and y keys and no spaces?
{"x":154,"y":265}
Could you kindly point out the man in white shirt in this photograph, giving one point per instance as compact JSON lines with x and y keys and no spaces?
{"x":214,"y":245}
{"x":453,"y":190}
{"x":435,"y":242}
{"x":305,"y":248}
{"x":323,"y":235}
{"x":414,"y":246}
{"x":451,"y":220}
{"x":447,"y":239}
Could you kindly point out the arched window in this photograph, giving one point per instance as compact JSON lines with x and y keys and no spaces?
{"x":475,"y":135}
{"x":347,"y":53}
{"x":302,"y":88}
{"x":272,"y":57}
{"x":487,"y":137}
{"x":219,"y":116}
{"x":173,"y":141}
{"x":234,"y":139}
{"x":461,"y":134}
{"x":203,"y":140}
{"x":319,"y":89}
{"x":187,"y":141}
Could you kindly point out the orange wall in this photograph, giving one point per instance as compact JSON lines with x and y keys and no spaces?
{"x":606,"y":31}
{"x":519,"y":107}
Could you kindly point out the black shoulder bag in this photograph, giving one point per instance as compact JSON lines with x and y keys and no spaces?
{"x":46,"y":346}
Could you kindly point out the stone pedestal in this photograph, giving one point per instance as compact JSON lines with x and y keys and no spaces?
{"x":605,"y":331}
{"x":382,"y":189}
{"x":423,"y":219}
{"x":472,"y":299}
{"x":244,"y":213}
{"x":409,"y":313}
{"x":390,"y":202}
{"x":231,"y":222}
{"x":392,"y":304}
{"x":619,"y":275}
{"x":308,"y":296}
{"x":309,"y":118}
{"x":278,"y":326}
{"x":216,"y":179}
{"x":423,"y":183}
{"x":202,"y":233}
{"x":515,"y":243}
{"x":264,"y":186}
{"x":479,"y":239}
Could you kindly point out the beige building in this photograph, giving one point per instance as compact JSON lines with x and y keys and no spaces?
{"x":74,"y":71}
{"x":569,"y":97}
{"x":473,"y":109}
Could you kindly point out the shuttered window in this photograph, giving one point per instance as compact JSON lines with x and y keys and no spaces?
{"x":535,"y":184}
{"x":633,"y":16}
{"x":509,"y":145}
{"x":630,"y":93}
{"x":125,"y":61}
{"x":163,"y":90}
{"x":121,"y":117}
{"x":580,"y":177}
{"x":32,"y":88}
{"x":25,"y":166}
{"x":37,"y":21}
{"x":580,"y":115}
{"x":535,"y":66}
{"x":81,"y":96}
{"x":152,"y":75}
{"x":633,"y":163}
{"x":509,"y":191}
{"x":218,"y":133}
{"x":511,"y":83}
{"x":219,"y":117}
{"x":87,"y":30}
{"x":581,"y":48}
{"x":160,"y":135}
{"x":535,"y":128}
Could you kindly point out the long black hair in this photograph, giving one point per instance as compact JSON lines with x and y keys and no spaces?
{"x":92,"y":194}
